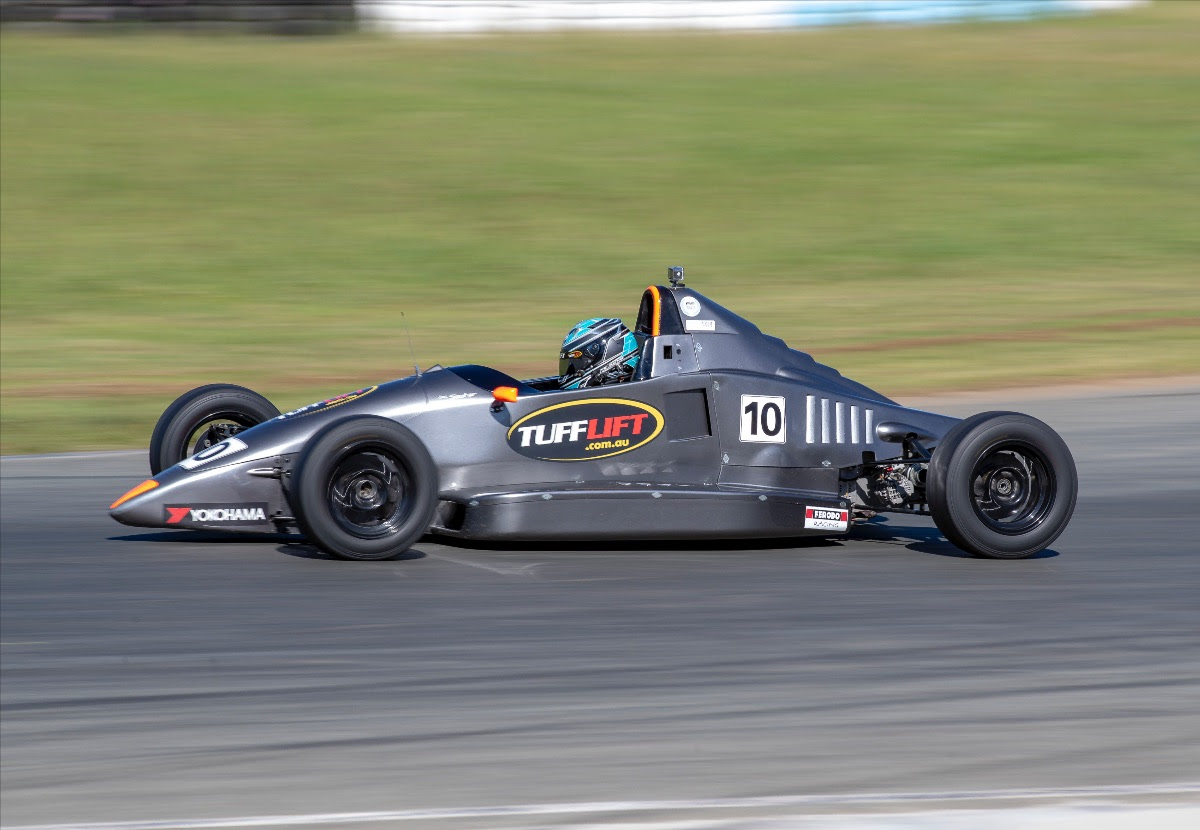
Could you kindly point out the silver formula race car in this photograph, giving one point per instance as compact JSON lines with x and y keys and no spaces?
{"x":722,"y":432}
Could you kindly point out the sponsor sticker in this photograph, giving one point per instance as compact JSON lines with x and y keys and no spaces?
{"x":219,"y":450}
{"x":329,"y":403}
{"x":699,"y":325}
{"x":587,"y":429}
{"x":223,"y":515}
{"x":826,"y":518}
{"x":763,"y":419}
{"x":689,"y":306}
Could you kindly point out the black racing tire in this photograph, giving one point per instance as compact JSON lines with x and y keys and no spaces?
{"x":1002,"y":485}
{"x":364,"y":487}
{"x":222,"y":408}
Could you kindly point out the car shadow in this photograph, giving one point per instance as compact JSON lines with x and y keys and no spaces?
{"x":206,"y":537}
{"x":920,"y":539}
{"x":879,"y":530}
{"x":292,"y":544}
{"x":300,"y":548}
{"x":665,"y":545}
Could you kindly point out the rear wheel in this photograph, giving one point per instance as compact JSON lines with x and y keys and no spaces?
{"x":365,"y":487}
{"x":1002,"y":485}
{"x":202,"y":418}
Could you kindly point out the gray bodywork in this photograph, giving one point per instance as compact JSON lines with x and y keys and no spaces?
{"x":711,"y":470}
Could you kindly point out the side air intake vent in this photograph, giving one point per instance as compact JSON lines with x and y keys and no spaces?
{"x":687,"y":415}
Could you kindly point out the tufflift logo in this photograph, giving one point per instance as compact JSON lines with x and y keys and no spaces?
{"x":247,"y":513}
{"x":587,"y":429}
{"x":826,"y":518}
{"x":328,"y":403}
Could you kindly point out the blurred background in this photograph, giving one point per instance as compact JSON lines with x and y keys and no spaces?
{"x":1008,"y":198}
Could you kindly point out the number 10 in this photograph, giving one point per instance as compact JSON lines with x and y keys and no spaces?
{"x":763,"y":420}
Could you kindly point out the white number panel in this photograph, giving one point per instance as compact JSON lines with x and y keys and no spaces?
{"x":764,"y":419}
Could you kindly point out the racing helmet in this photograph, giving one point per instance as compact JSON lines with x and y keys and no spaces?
{"x":597,"y":351}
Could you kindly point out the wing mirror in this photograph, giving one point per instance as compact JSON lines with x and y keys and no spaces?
{"x":502,"y":395}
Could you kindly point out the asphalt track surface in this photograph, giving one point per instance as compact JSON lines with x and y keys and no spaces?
{"x":182,"y":675}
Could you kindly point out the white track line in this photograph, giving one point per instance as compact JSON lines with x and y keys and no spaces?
{"x":503,"y":570}
{"x":64,"y":456}
{"x":597,"y":807}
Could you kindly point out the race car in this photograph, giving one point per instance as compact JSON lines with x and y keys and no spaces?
{"x":721,"y":432}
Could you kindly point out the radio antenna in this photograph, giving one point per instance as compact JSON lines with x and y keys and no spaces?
{"x":411,"y":351}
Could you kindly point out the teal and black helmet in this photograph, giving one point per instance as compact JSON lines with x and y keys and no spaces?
{"x":597,"y":351}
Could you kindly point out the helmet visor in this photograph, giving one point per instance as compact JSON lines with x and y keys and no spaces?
{"x":573,"y":363}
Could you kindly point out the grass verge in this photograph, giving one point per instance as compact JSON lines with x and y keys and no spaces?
{"x":925,"y":208}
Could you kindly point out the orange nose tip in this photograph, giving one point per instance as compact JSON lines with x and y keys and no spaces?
{"x":505,"y":394}
{"x":146,"y":486}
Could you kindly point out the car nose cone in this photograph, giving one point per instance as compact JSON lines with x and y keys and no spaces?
{"x":141,"y":511}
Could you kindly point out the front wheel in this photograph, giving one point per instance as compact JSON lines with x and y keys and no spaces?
{"x":202,"y":418}
{"x":1002,"y":485}
{"x":364,"y":487}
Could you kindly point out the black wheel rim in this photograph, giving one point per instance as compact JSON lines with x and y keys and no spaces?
{"x":213,"y":430}
{"x":369,"y":491}
{"x":1012,"y":487}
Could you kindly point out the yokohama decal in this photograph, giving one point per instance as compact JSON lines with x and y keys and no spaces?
{"x":220,"y":515}
{"x":583,"y":430}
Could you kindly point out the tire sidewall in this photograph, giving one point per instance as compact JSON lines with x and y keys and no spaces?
{"x":192,"y":409}
{"x":950,"y":478}
{"x":316,"y":464}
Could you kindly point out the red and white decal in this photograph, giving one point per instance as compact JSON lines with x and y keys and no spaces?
{"x":826,"y":518}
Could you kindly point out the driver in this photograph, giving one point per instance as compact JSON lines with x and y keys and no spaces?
{"x":597,"y":351}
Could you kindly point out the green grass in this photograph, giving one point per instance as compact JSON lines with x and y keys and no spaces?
{"x":925,"y":208}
